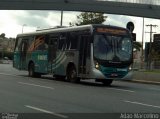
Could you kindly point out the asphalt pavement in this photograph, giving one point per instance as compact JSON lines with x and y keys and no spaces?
{"x":20,"y":94}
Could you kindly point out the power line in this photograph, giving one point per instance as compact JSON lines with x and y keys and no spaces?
{"x":150,"y":46}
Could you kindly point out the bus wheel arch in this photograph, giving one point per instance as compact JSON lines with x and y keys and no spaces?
{"x":71,"y":73}
{"x":31,"y":70}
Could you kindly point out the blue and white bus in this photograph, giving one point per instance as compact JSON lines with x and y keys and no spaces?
{"x":99,"y":52}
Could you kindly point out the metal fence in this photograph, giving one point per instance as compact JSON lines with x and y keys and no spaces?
{"x":150,"y":2}
{"x":137,"y":65}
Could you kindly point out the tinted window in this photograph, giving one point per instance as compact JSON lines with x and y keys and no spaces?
{"x":73,"y":38}
{"x":40,"y":43}
{"x":18,"y":42}
{"x":62,"y":42}
{"x":53,"y":39}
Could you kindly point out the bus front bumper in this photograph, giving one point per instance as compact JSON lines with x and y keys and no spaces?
{"x":97,"y":74}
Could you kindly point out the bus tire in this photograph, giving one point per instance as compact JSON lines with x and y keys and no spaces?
{"x":59,"y":77}
{"x":107,"y":82}
{"x":37,"y":75}
{"x":72,"y":74}
{"x":31,"y":72}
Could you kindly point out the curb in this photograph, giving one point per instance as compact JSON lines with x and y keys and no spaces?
{"x":145,"y":82}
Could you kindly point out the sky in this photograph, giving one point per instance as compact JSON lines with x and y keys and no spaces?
{"x":13,"y":21}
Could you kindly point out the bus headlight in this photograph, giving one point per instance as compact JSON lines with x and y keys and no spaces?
{"x":97,"y":66}
{"x":130,"y":68}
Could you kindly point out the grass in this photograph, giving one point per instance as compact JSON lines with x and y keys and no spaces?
{"x":152,"y":71}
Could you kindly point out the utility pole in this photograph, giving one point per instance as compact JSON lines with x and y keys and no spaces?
{"x":150,"y":47}
{"x":142,"y":55}
{"x":61,"y":18}
{"x":23,"y":27}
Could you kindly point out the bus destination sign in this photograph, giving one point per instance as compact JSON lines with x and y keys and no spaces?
{"x":112,"y":31}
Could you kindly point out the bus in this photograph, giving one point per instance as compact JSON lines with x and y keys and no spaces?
{"x":100,"y":52}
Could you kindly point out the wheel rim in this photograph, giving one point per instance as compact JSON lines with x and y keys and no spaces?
{"x":31,"y":72}
{"x":73,"y":74}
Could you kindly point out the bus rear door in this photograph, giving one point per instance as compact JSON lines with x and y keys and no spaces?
{"x":52,"y":53}
{"x":23,"y":53}
{"x":16,"y":59}
{"x":20,"y":54}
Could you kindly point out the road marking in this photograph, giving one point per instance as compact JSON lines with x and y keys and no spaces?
{"x":36,"y":85}
{"x":8,"y":74}
{"x":46,"y":111}
{"x":139,"y":103}
{"x":122,"y":90}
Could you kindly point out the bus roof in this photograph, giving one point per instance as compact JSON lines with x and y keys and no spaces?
{"x":64,"y":29}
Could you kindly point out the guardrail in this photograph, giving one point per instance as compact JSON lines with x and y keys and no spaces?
{"x":150,"y":2}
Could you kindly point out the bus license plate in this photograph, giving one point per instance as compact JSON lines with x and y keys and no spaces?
{"x":114,"y":75}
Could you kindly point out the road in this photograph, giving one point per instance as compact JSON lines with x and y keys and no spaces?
{"x":22,"y":94}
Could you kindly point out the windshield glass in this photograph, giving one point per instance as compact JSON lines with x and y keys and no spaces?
{"x":112,"y":48}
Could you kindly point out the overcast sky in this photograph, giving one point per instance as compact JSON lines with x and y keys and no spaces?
{"x":11,"y":21}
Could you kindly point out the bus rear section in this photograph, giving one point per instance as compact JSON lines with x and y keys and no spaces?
{"x":31,"y":52}
{"x":60,"y":52}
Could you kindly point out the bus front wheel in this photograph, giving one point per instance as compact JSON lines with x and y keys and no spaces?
{"x":72,"y":75}
{"x":107,"y":82}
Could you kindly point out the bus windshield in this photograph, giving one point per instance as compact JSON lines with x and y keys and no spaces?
{"x":112,"y":48}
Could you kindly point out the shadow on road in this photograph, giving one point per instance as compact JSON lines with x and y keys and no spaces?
{"x":89,"y":82}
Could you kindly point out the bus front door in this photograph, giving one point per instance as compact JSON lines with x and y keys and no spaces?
{"x":52,"y":55}
{"x":83,"y":54}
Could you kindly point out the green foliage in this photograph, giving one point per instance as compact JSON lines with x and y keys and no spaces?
{"x":155,"y":55}
{"x":137,"y":46}
{"x":89,"y":18}
{"x":6,"y":54}
{"x":2,"y":35}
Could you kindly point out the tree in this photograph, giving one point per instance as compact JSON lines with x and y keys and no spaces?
{"x":2,"y":35}
{"x":137,"y":46}
{"x":89,"y":18}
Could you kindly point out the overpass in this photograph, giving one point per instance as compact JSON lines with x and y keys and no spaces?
{"x":141,"y":8}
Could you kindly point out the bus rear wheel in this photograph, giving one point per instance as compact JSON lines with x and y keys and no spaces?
{"x":107,"y":82}
{"x":59,"y":77}
{"x":72,"y":75}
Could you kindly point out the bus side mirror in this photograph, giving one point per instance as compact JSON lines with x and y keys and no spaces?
{"x":133,"y":36}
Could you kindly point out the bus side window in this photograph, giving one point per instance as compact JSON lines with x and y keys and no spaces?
{"x":24,"y":45}
{"x":85,"y":44}
{"x":41,"y":43}
{"x":53,"y":38}
{"x":73,"y":38}
{"x":62,"y":41}
{"x":47,"y":40}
